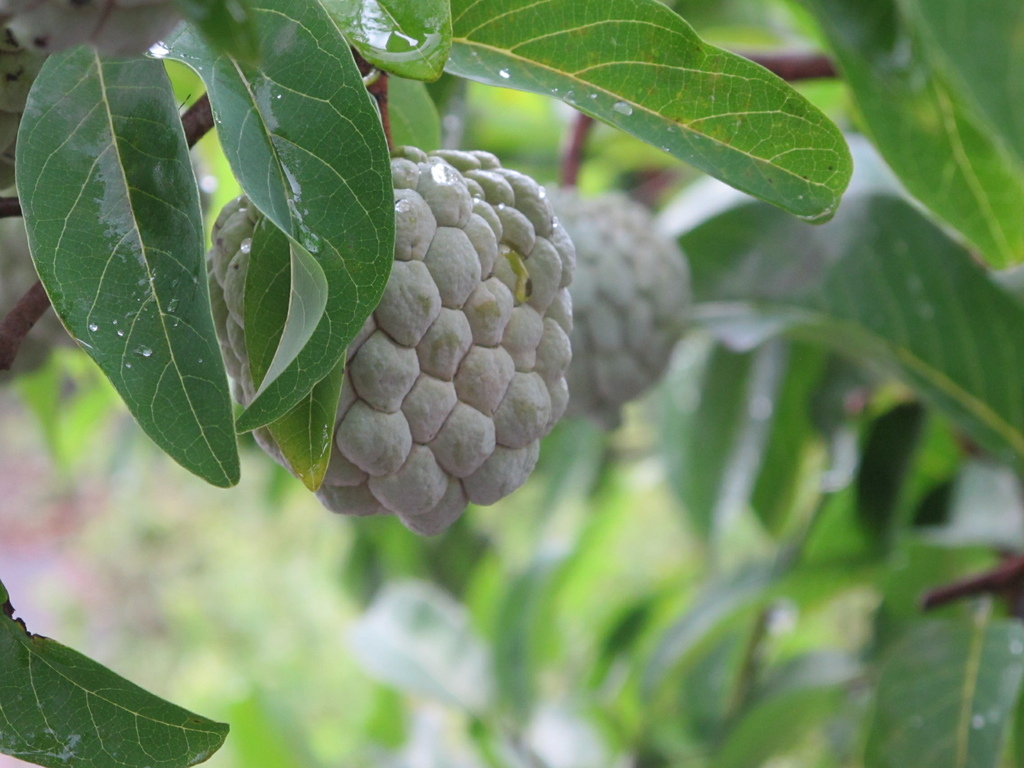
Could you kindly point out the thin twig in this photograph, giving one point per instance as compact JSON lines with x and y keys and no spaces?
{"x":19,"y":321}
{"x":197,"y":120}
{"x":1005,"y":580}
{"x":572,"y":158}
{"x":377,"y":84}
{"x":9,"y":206}
{"x":795,"y":66}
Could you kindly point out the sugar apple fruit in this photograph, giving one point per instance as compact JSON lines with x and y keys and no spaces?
{"x":460,"y":370}
{"x":630,"y":294}
{"x":113,"y":27}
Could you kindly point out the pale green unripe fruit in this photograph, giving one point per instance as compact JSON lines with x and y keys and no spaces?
{"x":630,"y":299}
{"x":460,"y":370}
{"x":113,"y":27}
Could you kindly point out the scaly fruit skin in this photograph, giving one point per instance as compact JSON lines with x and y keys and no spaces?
{"x":630,"y":295}
{"x":113,"y":27}
{"x":460,"y":370}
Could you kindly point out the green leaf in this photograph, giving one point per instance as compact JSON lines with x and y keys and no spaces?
{"x":305,"y":141}
{"x":638,"y":66}
{"x":285,"y":296}
{"x":718,"y":601}
{"x":942,"y":153}
{"x":980,"y":55}
{"x":414,"y":118}
{"x":226,"y":24}
{"x":305,"y":434}
{"x":713,"y":444}
{"x":516,"y":633}
{"x":409,"y":39}
{"x":788,"y":482}
{"x":878,"y":282}
{"x":886,"y":460}
{"x":59,"y":708}
{"x":419,"y":639}
{"x":945,"y":695}
{"x":806,"y":693}
{"x":114,"y":224}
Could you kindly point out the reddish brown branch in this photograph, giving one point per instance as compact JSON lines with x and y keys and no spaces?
{"x":795,"y":66}
{"x":9,"y":206}
{"x":378,"y":88}
{"x":19,"y":321}
{"x":1006,"y":580}
{"x":197,"y":120}
{"x":572,"y":158}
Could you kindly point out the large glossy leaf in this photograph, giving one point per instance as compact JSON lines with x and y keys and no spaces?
{"x":980,"y":53}
{"x":408,"y":39}
{"x":878,"y":282}
{"x":59,"y":708}
{"x":305,"y":141}
{"x":943,"y":154}
{"x":112,"y":211}
{"x":945,"y":695}
{"x":637,"y":65}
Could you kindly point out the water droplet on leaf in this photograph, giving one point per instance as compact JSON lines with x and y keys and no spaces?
{"x":622,"y":108}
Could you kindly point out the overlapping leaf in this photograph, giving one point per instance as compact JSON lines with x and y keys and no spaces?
{"x":59,"y":708}
{"x":945,"y":156}
{"x":637,"y":65}
{"x":946,"y":694}
{"x":409,"y":39}
{"x":305,"y":141}
{"x":880,"y":282}
{"x":112,"y":211}
{"x":226,"y":24}
{"x":285,"y":295}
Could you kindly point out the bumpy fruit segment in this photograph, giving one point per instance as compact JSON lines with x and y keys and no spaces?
{"x":630,"y":298}
{"x":460,"y":371}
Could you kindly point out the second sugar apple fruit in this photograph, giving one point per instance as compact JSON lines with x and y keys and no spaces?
{"x":113,"y":27}
{"x":460,"y":370}
{"x":630,"y":295}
